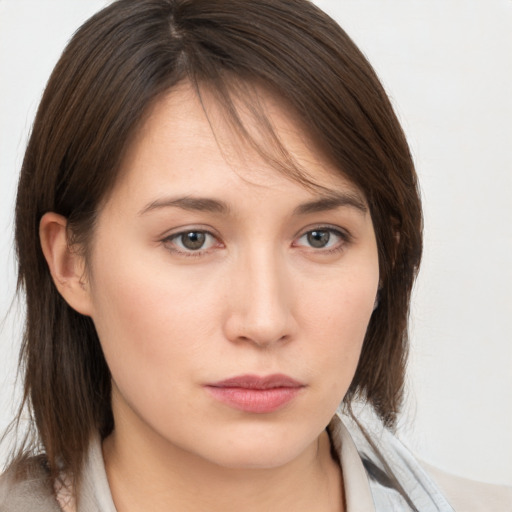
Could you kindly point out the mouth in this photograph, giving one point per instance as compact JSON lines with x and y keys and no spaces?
{"x":254,"y":394}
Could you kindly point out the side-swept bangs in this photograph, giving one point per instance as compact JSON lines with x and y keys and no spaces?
{"x":115,"y":68}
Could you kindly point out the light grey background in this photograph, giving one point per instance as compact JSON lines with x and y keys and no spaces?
{"x":447,"y":65}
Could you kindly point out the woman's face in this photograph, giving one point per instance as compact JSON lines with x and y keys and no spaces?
{"x":231,"y":302}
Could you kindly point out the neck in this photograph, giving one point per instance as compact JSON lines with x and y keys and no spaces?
{"x":149,"y":475}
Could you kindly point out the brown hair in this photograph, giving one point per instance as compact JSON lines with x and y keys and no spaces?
{"x":117,"y":65}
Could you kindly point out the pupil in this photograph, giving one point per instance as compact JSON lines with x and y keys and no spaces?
{"x":318,"y":239}
{"x":193,"y":240}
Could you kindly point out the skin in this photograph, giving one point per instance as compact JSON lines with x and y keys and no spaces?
{"x":257,"y":299}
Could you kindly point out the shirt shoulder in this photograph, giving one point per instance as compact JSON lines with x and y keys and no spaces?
{"x":467,"y":495}
{"x":27,"y":491}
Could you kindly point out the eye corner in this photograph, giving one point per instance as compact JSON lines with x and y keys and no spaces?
{"x":191,"y":242}
{"x":323,"y":239}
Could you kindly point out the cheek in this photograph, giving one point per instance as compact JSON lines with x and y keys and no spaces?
{"x":148,"y":319}
{"x":153,"y":333}
{"x":334,"y":323}
{"x":340,"y":309}
{"x":143,"y":313}
{"x":337,"y":319}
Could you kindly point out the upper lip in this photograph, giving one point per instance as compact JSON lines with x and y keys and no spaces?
{"x":257,"y":382}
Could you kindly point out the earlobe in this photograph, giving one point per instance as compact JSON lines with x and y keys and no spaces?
{"x":66,"y":265}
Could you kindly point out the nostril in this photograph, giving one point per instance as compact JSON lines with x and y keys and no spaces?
{"x":259,"y":306}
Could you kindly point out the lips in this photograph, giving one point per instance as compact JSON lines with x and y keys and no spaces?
{"x":254,"y":394}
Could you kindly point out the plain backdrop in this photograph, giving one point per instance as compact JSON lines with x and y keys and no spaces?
{"x":447,"y":65}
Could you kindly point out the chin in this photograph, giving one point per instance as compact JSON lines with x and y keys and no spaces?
{"x":255,"y":460}
{"x":261,"y":450}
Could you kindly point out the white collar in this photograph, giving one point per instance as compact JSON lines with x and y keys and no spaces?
{"x":358,"y":495}
{"x":379,"y":473}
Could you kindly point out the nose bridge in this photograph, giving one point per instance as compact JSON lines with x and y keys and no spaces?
{"x":261,"y":310}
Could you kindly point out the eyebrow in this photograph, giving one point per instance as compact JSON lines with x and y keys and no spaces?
{"x":200,"y":204}
{"x":327,"y":202}
{"x":332,"y":201}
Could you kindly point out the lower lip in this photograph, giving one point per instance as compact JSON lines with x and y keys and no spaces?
{"x":254,"y":400}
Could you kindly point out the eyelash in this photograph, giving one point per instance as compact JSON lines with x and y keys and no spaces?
{"x":169,"y":242}
{"x":345,"y":238}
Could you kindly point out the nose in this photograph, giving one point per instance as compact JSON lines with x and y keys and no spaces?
{"x":260,"y":305}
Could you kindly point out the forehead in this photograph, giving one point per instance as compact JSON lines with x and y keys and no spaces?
{"x":189,"y":133}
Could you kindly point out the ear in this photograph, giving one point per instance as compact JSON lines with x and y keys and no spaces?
{"x":67,"y":266}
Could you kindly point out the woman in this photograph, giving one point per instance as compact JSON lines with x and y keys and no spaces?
{"x":217,"y":229}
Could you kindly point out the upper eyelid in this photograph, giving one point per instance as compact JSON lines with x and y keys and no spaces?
{"x":209,"y":230}
{"x":180,"y":230}
{"x":335,"y":231}
{"x":345,"y":237}
{"x":176,"y":232}
{"x":184,"y":251}
{"x":326,"y":227}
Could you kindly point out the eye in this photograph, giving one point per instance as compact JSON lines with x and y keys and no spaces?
{"x":323,"y":238}
{"x":191,"y":241}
